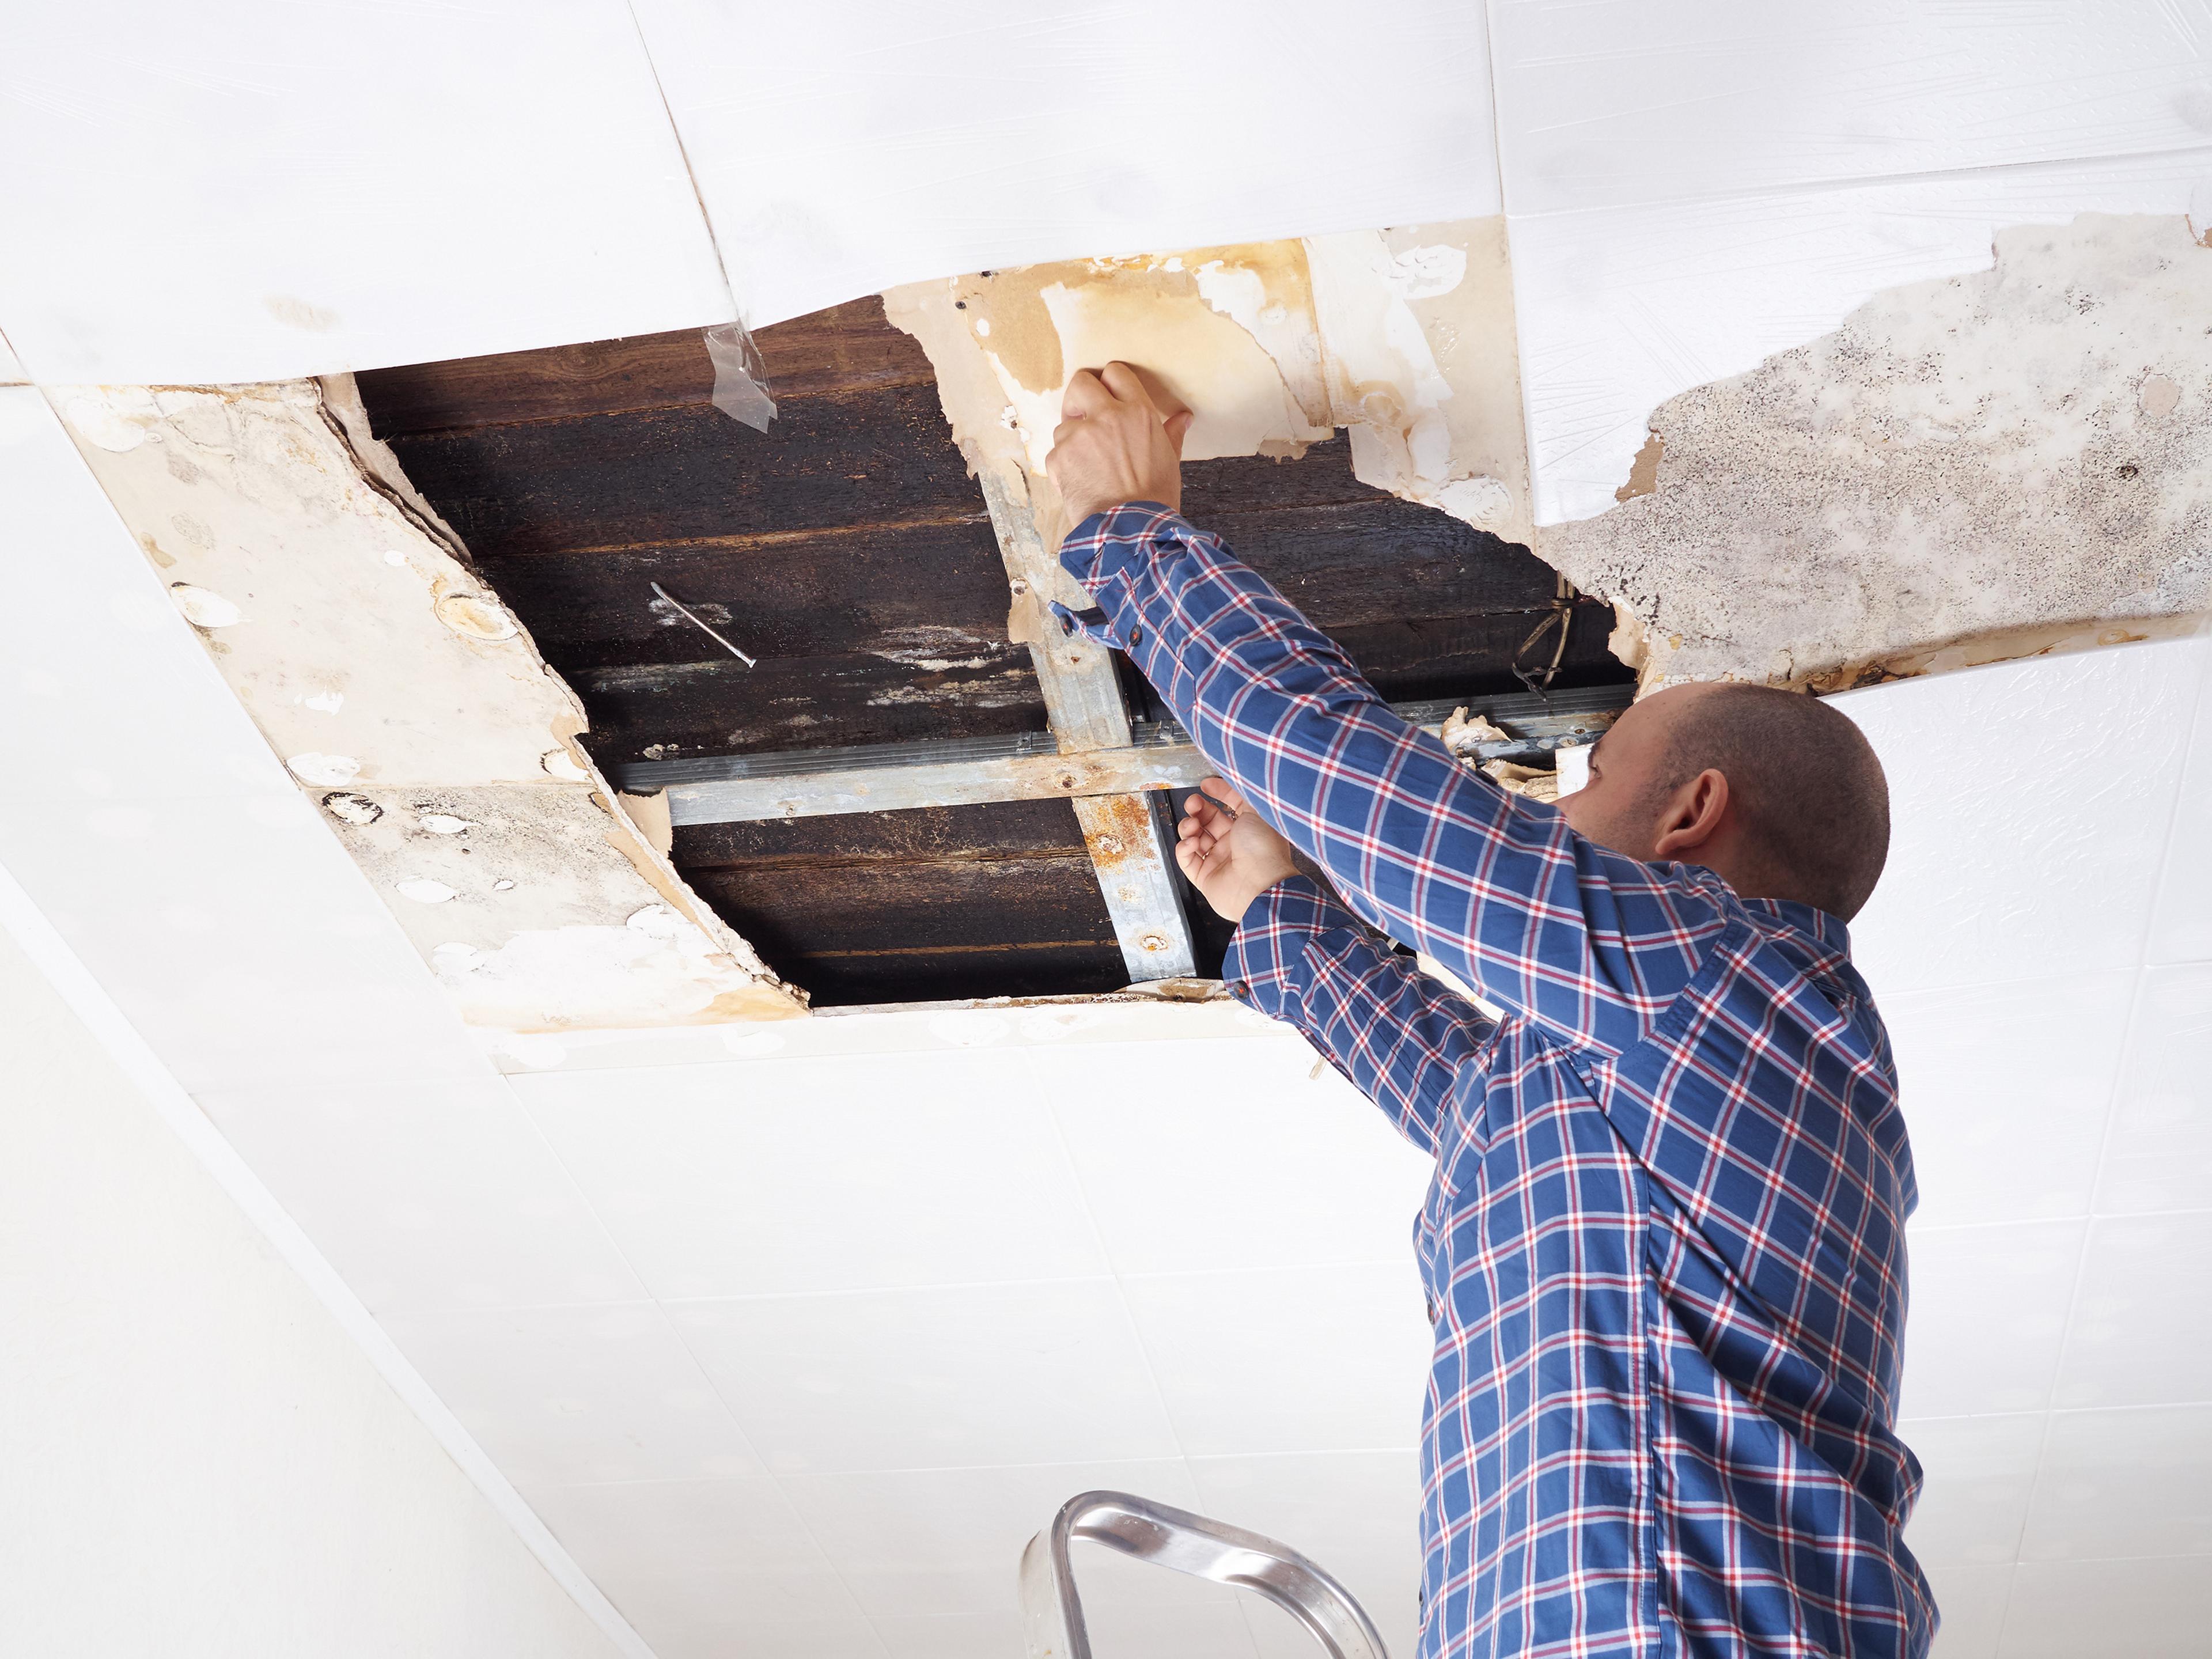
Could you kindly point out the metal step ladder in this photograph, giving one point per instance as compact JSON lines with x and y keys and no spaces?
{"x":1052,"y":1611}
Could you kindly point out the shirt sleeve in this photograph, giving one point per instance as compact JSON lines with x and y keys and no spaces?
{"x":1398,"y":1034}
{"x":1590,"y":944}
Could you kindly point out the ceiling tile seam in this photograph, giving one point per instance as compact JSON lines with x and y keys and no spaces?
{"x":1042,"y":1084}
{"x":1951,"y":1228}
{"x":829,"y":1560}
{"x":51,"y":954}
{"x":1868,"y":181}
{"x":683,"y":154}
{"x":2198,"y":738}
{"x":576,"y":1188}
{"x":918,"y":1287}
{"x":2066,"y":1330}
{"x":934,"y":1468}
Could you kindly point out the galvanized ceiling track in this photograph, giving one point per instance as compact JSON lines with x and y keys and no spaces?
{"x":1130,"y":853}
{"x":972,"y":771}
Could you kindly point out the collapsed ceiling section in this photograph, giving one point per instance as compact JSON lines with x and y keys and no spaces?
{"x":637,"y":715}
{"x":888,"y":596}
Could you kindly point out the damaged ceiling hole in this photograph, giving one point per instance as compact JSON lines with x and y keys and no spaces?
{"x":855,"y":555}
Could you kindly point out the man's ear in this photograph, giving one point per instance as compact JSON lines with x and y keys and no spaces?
{"x":1690,"y":817}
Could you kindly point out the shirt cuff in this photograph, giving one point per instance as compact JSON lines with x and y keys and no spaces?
{"x":1267,"y":966}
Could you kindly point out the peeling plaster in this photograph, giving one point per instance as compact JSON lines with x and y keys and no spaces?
{"x":1404,"y":337}
{"x":412,"y":709}
{"x":1989,"y":465}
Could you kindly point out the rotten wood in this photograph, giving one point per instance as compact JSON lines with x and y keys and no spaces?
{"x":847,"y":348}
{"x":663,"y":475}
{"x":719,"y":707}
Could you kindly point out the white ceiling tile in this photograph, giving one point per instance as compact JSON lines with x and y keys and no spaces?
{"x":2141,"y":1609}
{"x":826,"y":1173}
{"x":1298,"y":1359}
{"x":2128,"y":1482}
{"x":1988,"y":1317}
{"x":1620,"y":309}
{"x":1215,"y":1629}
{"x":239,"y":937}
{"x":1355,"y":1513}
{"x":955,"y":1636}
{"x":714,"y":1634}
{"x":2005,"y":1124}
{"x":944,"y":1542}
{"x":1210,"y":1629}
{"x":1623,"y":101}
{"x":2141,"y":1330}
{"x":708,"y":1567}
{"x":562,"y":1395}
{"x":2051,"y":880}
{"x":108,"y":689}
{"x":2181,"y":924}
{"x":1980,"y":1471}
{"x":426,"y":1195}
{"x":900,"y":143}
{"x":1242,"y":1158}
{"x":1032,"y":1373}
{"x":320,"y":193}
{"x":1971,"y":1601}
{"x":2157,"y":1154}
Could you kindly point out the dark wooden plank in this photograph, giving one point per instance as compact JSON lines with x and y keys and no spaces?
{"x":1255,"y":483}
{"x":723,"y":707}
{"x":856,"y":978}
{"x":922,"y":593}
{"x":1002,"y":830}
{"x":1381,"y":559}
{"x":906,"y":928}
{"x":847,"y":348}
{"x":654,"y":476}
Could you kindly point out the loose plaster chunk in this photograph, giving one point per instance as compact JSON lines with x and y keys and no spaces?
{"x":531,"y":907}
{"x":1405,"y":337}
{"x":1971,"y":468}
{"x":413,"y":709}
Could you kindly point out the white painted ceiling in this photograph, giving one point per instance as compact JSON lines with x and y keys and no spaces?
{"x":792,"y":1340}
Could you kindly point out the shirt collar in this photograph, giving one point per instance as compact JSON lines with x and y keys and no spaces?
{"x":1834,"y":938}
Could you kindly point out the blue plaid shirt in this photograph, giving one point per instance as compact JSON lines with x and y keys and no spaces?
{"x":1664,"y":1249}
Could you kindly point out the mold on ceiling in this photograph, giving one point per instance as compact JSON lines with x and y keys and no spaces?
{"x":849,"y":548}
{"x":1972,"y":468}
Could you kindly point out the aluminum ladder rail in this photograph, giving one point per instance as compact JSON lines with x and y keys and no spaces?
{"x":1052,"y":1611}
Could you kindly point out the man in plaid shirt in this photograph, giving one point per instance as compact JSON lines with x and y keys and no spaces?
{"x":1664,"y":1249}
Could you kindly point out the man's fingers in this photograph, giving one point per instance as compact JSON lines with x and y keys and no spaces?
{"x":1085,"y":395}
{"x":1126,"y":385}
{"x":1177,"y":426}
{"x":1218,"y":793}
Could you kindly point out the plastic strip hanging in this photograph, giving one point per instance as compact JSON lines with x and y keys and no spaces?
{"x":741,"y":377}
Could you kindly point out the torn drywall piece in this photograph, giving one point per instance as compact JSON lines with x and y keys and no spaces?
{"x":533,"y":913}
{"x":1994,"y":464}
{"x":411,"y":708}
{"x":1405,"y":336}
{"x":251,"y":499}
{"x":1228,"y":331}
{"x":1417,"y":330}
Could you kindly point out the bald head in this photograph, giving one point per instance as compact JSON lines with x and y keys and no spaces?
{"x":1776,"y":790}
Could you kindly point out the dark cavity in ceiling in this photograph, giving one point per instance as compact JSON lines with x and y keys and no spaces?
{"x":849,"y":552}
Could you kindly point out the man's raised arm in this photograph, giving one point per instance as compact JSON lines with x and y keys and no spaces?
{"x":1589,"y":942}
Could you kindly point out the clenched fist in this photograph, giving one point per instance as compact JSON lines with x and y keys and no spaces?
{"x":1118,"y":442}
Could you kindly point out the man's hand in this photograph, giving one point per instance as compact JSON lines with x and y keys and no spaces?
{"x":1118,"y":442}
{"x":1229,"y":855}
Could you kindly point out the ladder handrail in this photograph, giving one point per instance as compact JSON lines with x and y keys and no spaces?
{"x":1052,"y":1611}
